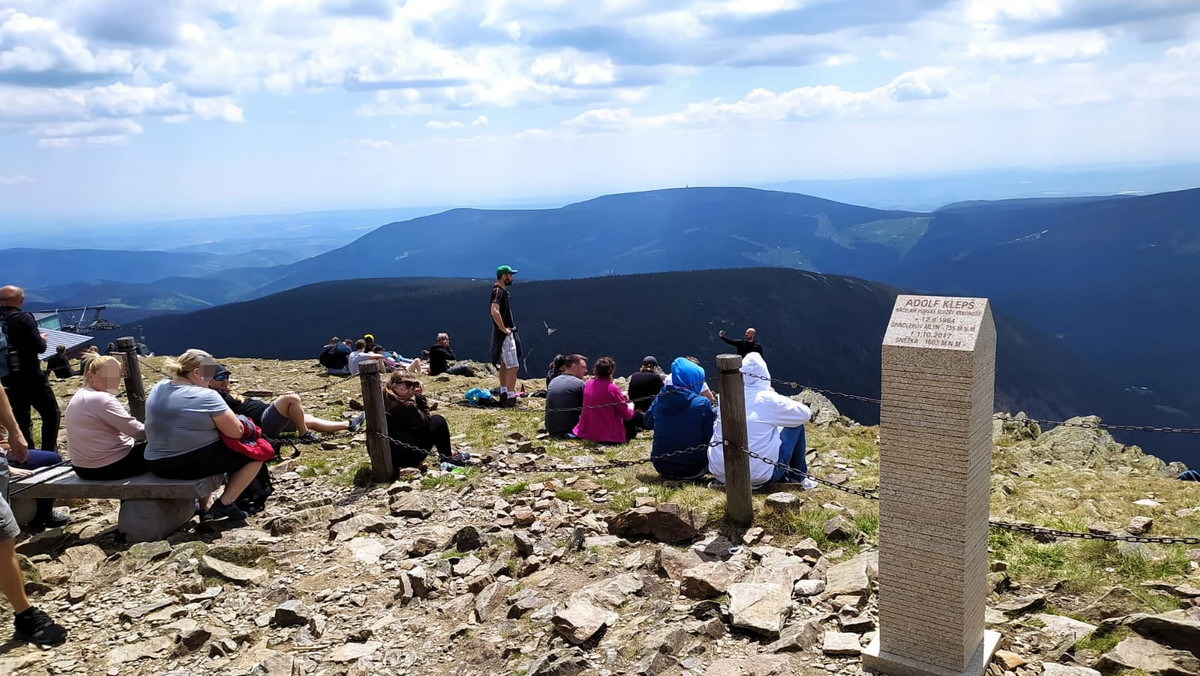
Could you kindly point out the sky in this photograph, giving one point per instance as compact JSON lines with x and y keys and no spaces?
{"x":189,"y":108}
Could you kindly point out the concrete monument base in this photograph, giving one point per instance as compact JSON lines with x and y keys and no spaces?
{"x":893,"y":665}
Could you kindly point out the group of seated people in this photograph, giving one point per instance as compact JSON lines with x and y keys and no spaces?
{"x":343,"y":357}
{"x":187,"y":417}
{"x":680,"y":409}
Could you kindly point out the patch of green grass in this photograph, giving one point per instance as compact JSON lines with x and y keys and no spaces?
{"x":452,"y":553}
{"x":314,"y":465}
{"x":360,"y":475}
{"x":1103,"y":642}
{"x":571,"y":495}
{"x":620,"y":502}
{"x":433,"y":482}
{"x":868,"y":523}
{"x":513,"y":489}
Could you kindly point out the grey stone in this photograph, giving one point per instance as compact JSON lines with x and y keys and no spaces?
{"x":666,"y":523}
{"x":859,"y":624}
{"x":808,"y":587}
{"x":672,"y":562}
{"x":1139,"y":525}
{"x":410,"y":505}
{"x":1056,"y":669}
{"x":760,"y":607}
{"x":709,"y":580}
{"x":808,"y":549}
{"x":231,"y":571}
{"x":797,"y":638}
{"x":467,"y":539}
{"x":292,"y":614}
{"x":275,"y":664}
{"x":1136,"y":652}
{"x":360,"y":523}
{"x":1060,"y":626}
{"x":351,"y":652}
{"x":1174,"y":629}
{"x":784,"y":502}
{"x":489,"y":602}
{"x":561,"y":662}
{"x":1022,"y":604}
{"x":1116,"y":602}
{"x":525,"y":544}
{"x":840,"y":643}
{"x":299,"y":520}
{"x":581,"y":619}
{"x":840,"y":528}
{"x":848,"y":578}
{"x":367,"y":550}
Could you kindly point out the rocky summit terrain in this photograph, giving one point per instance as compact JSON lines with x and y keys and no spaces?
{"x":529,"y":563}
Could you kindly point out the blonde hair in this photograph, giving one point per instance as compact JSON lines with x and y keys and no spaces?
{"x":187,"y":362}
{"x":94,"y":364}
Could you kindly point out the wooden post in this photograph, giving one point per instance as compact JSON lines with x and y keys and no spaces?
{"x":378,"y":447}
{"x":739,"y":510}
{"x":135,"y":390}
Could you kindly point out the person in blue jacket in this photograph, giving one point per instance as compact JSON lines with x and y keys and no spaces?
{"x":681,"y":418}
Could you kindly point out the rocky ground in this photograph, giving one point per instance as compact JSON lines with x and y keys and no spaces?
{"x":514,"y":567}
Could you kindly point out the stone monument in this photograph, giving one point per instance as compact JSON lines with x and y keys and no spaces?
{"x":935,"y":429}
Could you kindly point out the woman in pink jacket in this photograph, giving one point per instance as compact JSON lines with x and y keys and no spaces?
{"x":605,"y":408}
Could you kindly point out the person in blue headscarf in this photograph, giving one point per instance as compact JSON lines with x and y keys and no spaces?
{"x":681,"y":418}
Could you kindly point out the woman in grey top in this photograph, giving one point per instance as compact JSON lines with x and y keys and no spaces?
{"x":184,"y":423}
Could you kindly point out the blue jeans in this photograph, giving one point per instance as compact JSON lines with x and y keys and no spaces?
{"x":791,"y":440}
{"x":36,"y":460}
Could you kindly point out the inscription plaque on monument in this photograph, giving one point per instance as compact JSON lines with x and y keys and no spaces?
{"x":939,"y":365}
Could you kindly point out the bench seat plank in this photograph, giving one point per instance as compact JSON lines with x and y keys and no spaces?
{"x":62,"y":482}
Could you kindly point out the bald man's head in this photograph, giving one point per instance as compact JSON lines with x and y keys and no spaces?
{"x":12,"y":295}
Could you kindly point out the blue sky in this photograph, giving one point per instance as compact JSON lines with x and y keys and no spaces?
{"x":177,"y":108}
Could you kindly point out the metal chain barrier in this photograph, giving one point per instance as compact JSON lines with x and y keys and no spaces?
{"x":1107,"y":426}
{"x":1108,"y":537}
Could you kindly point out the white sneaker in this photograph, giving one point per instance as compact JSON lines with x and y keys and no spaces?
{"x":808,"y":484}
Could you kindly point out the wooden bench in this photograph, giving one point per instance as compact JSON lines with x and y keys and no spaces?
{"x":151,"y":507}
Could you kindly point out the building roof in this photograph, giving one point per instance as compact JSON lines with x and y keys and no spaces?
{"x":75,"y":342}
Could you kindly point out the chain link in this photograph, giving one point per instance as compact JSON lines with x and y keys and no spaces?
{"x":1105,"y":426}
{"x":1108,"y":537}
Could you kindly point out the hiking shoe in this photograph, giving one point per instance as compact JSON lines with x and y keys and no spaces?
{"x":220,"y":509}
{"x":356,"y":423}
{"x":808,"y":484}
{"x":35,"y":626}
{"x":509,"y":402}
{"x":309,"y":437}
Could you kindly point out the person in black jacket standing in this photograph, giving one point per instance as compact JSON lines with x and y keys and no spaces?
{"x":744,"y":347}
{"x":28,"y":388}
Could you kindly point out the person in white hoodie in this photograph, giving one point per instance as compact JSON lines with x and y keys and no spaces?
{"x":774,"y":429}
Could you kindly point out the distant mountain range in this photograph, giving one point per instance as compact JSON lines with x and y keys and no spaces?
{"x":822,"y":330}
{"x":1109,"y":276}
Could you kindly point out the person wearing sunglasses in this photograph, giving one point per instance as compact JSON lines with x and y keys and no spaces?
{"x":285,"y":415}
{"x":184,"y":423}
{"x":410,"y":422}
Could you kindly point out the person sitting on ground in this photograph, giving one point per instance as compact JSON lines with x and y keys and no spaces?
{"x":369,"y":339}
{"x":681,"y":419}
{"x":30,"y":623}
{"x":360,"y":355}
{"x":645,"y":384}
{"x":335,"y":357}
{"x":744,"y":347}
{"x":184,"y":423}
{"x":104,"y":441}
{"x":564,"y":396}
{"x":58,"y":364}
{"x":774,"y":430}
{"x":556,"y":367}
{"x":440,"y":356}
{"x":283,"y":416}
{"x":605,"y":408}
{"x":705,"y":391}
{"x":413,"y":428}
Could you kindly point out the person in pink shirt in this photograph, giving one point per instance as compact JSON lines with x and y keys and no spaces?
{"x":605,"y":408}
{"x":104,"y":441}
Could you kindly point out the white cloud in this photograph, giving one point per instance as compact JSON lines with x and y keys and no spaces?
{"x":37,"y":51}
{"x":374,"y":144}
{"x":15,"y":179}
{"x":1041,"y":49}
{"x":438,"y":125}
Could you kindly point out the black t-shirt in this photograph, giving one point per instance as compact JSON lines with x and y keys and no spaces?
{"x":24,"y":342}
{"x":439,"y":356}
{"x":500,"y":298}
{"x":59,"y":364}
{"x":251,"y":408}
{"x":644,"y":384}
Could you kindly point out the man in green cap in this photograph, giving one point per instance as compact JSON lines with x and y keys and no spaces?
{"x":506,"y":348}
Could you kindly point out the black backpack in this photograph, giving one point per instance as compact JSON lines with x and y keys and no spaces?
{"x":332,"y":359}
